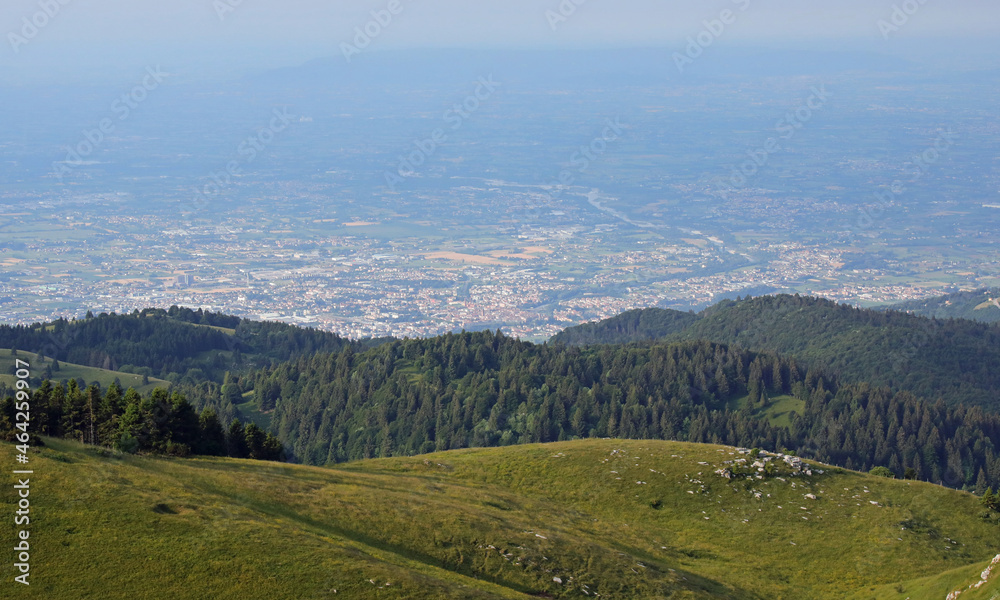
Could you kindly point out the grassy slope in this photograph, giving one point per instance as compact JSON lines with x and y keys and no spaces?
{"x":778,"y":410}
{"x":495,"y":523}
{"x":225,"y":330}
{"x":253,"y":414}
{"x":71,"y":371}
{"x":975,"y":305}
{"x":937,"y":587}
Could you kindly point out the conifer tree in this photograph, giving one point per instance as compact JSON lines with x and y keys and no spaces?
{"x":991,"y":500}
{"x":211,"y":439}
{"x":236,"y":441}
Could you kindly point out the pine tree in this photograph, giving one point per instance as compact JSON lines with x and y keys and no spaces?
{"x":255,"y":439}
{"x":981,"y":483}
{"x":236,"y":441}
{"x":130,"y":427}
{"x":231,"y":390}
{"x":721,"y":383}
{"x":156,"y":411}
{"x":755,"y":386}
{"x":211,"y":437}
{"x":991,"y":500}
{"x":183,"y":424}
{"x":272,"y":449}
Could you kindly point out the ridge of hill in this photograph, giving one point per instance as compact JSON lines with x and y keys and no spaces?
{"x":932,"y":358}
{"x":601,"y":518}
{"x":844,"y":387}
{"x":66,"y":371}
{"x":180,"y":345}
{"x":950,"y":359}
{"x":978,"y":305}
{"x":485,"y":389}
{"x":639,"y":325}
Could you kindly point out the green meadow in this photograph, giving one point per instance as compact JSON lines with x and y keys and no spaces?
{"x":777,"y":411}
{"x":595,"y":518}
{"x":69,"y":371}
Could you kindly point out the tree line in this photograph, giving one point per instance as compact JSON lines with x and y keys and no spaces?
{"x":180,"y":345}
{"x":486,"y":389}
{"x":337,"y":400}
{"x":158,"y":423}
{"x":952,"y":359}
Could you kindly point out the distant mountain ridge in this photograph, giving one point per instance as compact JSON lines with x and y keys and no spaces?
{"x":632,"y":326}
{"x":980,"y":305}
{"x":849,"y":386}
{"x":177,"y":344}
{"x":571,"y":67}
{"x":950,"y":359}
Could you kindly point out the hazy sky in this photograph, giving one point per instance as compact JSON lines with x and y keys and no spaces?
{"x":240,"y":34}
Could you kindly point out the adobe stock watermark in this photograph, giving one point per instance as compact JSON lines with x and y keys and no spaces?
{"x":223,"y":8}
{"x":901,"y":15}
{"x":713,"y":30}
{"x":580,"y":161}
{"x":786,"y":128}
{"x":920,"y":165}
{"x":58,"y":341}
{"x":33,"y":25}
{"x":563,"y":12}
{"x":247,"y":151}
{"x":454,"y":118}
{"x":380,"y":21}
{"x":582,"y":158}
{"x":122,"y":108}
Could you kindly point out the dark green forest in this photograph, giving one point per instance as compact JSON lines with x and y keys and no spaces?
{"x":179,"y":344}
{"x":854,"y":388}
{"x":640,"y":325}
{"x":486,"y":389}
{"x":960,"y":305}
{"x":159,"y":423}
{"x":949,"y":359}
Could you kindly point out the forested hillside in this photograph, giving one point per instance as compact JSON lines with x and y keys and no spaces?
{"x":159,"y":423}
{"x":979,"y":305}
{"x":632,"y":326}
{"x":851,"y":387}
{"x":952,"y":359}
{"x":486,"y":389}
{"x":179,"y":344}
